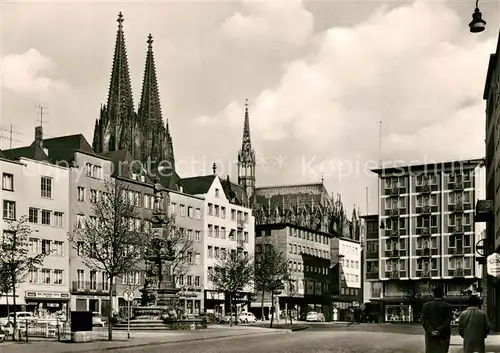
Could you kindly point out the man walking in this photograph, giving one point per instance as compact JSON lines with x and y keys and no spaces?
{"x":436,"y":320}
{"x":474,"y":326}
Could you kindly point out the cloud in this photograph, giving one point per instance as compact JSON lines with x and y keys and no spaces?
{"x":25,"y":73}
{"x":422,"y":74}
{"x":284,"y":21}
{"x":412,"y":67}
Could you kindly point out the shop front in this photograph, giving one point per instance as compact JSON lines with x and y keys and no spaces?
{"x":48,"y":305}
{"x":190,"y":301}
{"x":94,"y":303}
{"x":398,"y":313}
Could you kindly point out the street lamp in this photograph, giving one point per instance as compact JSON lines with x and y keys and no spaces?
{"x":477,"y":24}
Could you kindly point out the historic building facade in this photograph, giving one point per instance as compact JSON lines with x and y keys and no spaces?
{"x":35,"y":188}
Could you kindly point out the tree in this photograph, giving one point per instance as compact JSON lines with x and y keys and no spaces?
{"x":15,"y":258}
{"x":107,"y":240}
{"x":232,"y":273}
{"x":271,"y":272}
{"x":5,"y":283}
{"x":291,"y":290}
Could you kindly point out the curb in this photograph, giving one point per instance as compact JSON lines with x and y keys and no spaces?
{"x":160,"y":343}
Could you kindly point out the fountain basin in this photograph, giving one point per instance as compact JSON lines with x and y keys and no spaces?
{"x":148,"y":312}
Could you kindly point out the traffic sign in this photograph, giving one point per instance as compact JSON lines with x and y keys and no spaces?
{"x":493,"y":265}
{"x":128,"y":295}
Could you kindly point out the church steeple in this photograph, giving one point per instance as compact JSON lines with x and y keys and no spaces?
{"x":155,"y":137}
{"x":246,"y":159}
{"x":117,"y":125}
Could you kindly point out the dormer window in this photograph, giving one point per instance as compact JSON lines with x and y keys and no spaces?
{"x":217,"y":193}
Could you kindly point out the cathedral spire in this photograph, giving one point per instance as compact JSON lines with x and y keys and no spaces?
{"x":149,"y":114}
{"x":118,"y":116}
{"x":246,"y":159}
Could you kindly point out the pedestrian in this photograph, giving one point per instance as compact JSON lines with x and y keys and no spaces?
{"x":474,"y":327}
{"x":436,"y":320}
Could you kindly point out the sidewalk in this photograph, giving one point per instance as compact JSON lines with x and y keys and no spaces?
{"x":492,"y":340}
{"x":137,"y":339}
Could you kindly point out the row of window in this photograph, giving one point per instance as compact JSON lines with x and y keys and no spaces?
{"x":430,"y":221}
{"x":453,"y":263}
{"x":45,"y":276}
{"x":46,"y":184}
{"x":46,"y":217}
{"x":427,"y":179}
{"x":347,"y":263}
{"x":46,"y":247}
{"x":349,"y":291}
{"x":454,"y":198}
{"x":304,"y":234}
{"x":184,"y":211}
{"x":93,"y":171}
{"x":220,"y":232}
{"x":300,"y":267}
{"x":350,"y":277}
{"x":400,"y":244}
{"x":214,"y":252}
{"x":299,"y":249}
{"x":220,"y":211}
{"x":189,"y":280}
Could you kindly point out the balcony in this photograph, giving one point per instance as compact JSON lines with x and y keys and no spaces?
{"x":89,"y":287}
{"x":460,"y":272}
{"x":424,"y":252}
{"x":394,"y":274}
{"x":458,"y":186}
{"x":240,"y":223}
{"x":424,"y":274}
{"x":393,"y":232}
{"x":393,"y":191}
{"x":392,"y":253}
{"x":456,"y":251}
{"x":457,"y":208}
{"x":426,"y":231}
{"x":425,"y":210}
{"x":394,"y":213}
{"x":484,"y":211}
{"x":425,"y":189}
{"x":372,"y":275}
{"x":458,"y":229}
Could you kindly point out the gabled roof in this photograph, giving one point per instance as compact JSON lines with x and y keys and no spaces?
{"x":170,"y":179}
{"x":200,"y":185}
{"x":63,"y":148}
{"x":197,"y":185}
{"x":30,"y":152}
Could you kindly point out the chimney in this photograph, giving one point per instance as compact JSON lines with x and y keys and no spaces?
{"x":39,"y":136}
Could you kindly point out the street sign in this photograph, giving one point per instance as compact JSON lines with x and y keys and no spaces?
{"x":493,"y":265}
{"x":480,"y":247}
{"x":128,"y":295}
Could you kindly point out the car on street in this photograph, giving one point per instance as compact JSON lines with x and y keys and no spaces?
{"x":247,"y":317}
{"x":229,"y":317}
{"x":313,"y":316}
{"x":21,"y":318}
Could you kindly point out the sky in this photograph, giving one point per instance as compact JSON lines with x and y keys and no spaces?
{"x":320,"y":78}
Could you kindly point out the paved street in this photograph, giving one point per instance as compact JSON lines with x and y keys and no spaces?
{"x":303,"y":341}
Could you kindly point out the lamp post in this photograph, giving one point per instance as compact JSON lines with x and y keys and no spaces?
{"x":477,"y":24}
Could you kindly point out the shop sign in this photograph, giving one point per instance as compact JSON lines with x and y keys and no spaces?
{"x":188,"y":295}
{"x":47,"y":295}
{"x":493,"y":265}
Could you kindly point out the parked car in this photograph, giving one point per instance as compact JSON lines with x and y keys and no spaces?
{"x":21,"y":318}
{"x":229,"y":316}
{"x":313,"y":316}
{"x":97,"y":319}
{"x":247,"y":317}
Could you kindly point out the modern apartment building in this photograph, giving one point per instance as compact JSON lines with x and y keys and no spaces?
{"x":308,"y":255}
{"x":488,"y":209}
{"x":87,"y":172}
{"x":35,"y":188}
{"x":227,"y":227}
{"x":426,"y":235}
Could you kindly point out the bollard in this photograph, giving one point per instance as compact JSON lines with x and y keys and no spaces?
{"x":26,"y":331}
{"x":58,"y":331}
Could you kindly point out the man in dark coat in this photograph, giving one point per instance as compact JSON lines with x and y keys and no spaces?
{"x":474,"y":326}
{"x":436,"y":320}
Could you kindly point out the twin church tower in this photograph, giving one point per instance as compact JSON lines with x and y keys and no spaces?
{"x":144,"y":134}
